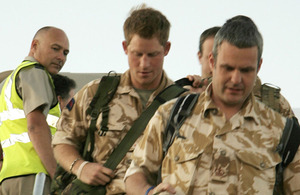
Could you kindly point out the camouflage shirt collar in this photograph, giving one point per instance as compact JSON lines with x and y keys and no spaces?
{"x":209,"y":105}
{"x":249,"y":110}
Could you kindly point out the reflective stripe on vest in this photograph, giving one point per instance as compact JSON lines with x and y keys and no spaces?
{"x":23,"y":138}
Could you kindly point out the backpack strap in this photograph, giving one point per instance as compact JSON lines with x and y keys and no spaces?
{"x":287,"y":148}
{"x":180,"y":111}
{"x":270,"y":96}
{"x":105,"y":92}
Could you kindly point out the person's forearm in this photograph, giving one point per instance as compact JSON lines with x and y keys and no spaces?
{"x":40,"y":136}
{"x":91,"y":173}
{"x":41,"y":139}
{"x":136,"y":184}
{"x":66,"y":155}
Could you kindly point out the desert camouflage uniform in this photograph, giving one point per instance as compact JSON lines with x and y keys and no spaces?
{"x":213,"y":155}
{"x":284,"y":106}
{"x":125,"y":107}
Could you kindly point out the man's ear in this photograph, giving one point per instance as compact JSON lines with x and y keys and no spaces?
{"x":124,"y":44}
{"x":259,"y":64}
{"x":211,"y":61}
{"x":59,"y":98}
{"x":167,"y":48}
{"x":199,"y":54}
{"x":34,"y":45}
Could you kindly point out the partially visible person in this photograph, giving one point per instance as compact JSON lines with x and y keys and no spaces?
{"x":228,"y":144}
{"x":206,"y":43}
{"x":26,"y":99}
{"x":4,"y":75}
{"x":64,"y":89}
{"x":146,"y":44}
{"x":205,"y":47}
{"x":268,"y":94}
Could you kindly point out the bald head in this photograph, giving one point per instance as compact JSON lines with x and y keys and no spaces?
{"x":50,"y":47}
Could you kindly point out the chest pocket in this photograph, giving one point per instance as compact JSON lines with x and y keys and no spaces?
{"x":180,"y":163}
{"x":116,"y":130}
{"x":186,"y":150}
{"x":258,"y":164}
{"x":183,"y":151}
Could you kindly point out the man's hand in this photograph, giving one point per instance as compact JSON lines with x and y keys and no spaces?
{"x":199,"y":84}
{"x":163,"y":187}
{"x":96,"y":174}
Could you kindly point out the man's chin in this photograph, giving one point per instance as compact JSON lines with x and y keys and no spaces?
{"x":54,"y":71}
{"x":234,"y":100}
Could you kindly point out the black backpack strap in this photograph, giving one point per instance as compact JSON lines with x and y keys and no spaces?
{"x":105,"y":92}
{"x":287,"y":149}
{"x":180,"y":111}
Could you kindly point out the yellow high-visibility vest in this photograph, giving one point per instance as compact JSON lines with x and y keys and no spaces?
{"x":19,"y":155}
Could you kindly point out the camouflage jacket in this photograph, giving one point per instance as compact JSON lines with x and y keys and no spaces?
{"x":213,"y":155}
{"x":125,"y":107}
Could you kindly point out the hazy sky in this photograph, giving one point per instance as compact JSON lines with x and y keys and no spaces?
{"x":95,"y":32}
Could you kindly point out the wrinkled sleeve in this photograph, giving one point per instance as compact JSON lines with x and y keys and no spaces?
{"x":36,"y":94}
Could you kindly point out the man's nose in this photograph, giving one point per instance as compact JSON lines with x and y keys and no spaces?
{"x":145,"y":61}
{"x":62,"y":58}
{"x":236,"y":77}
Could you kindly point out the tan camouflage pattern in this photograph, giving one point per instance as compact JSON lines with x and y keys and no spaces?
{"x":217,"y":156}
{"x":125,"y":107}
{"x":284,"y":106}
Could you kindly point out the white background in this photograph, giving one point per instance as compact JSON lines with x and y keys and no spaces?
{"x":94,"y":28}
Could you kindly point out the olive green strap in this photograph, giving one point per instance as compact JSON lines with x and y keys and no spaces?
{"x":140,"y":124}
{"x":106,"y":90}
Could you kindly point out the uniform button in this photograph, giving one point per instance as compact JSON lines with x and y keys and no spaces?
{"x":128,"y":161}
{"x":219,"y":172}
{"x":223,"y":152}
{"x":215,"y":111}
{"x":176,"y":158}
{"x":218,"y":136}
{"x":262,"y":165}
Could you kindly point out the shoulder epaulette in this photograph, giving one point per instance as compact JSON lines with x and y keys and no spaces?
{"x":270,"y":96}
